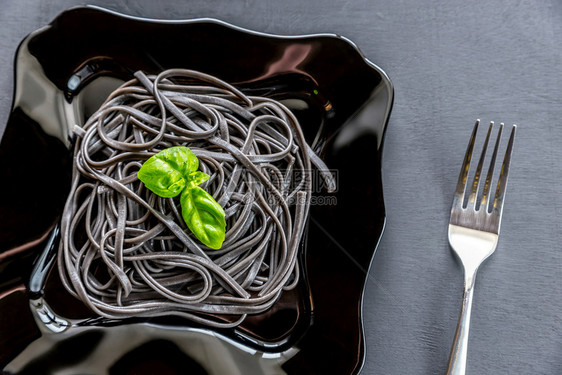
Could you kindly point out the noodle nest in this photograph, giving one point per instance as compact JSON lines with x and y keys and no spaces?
{"x":126,"y":252}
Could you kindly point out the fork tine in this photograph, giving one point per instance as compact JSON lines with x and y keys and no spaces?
{"x":490,"y":175}
{"x":458,"y":198}
{"x":476,"y":181}
{"x":502,"y":182}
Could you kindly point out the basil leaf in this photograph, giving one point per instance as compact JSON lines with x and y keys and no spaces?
{"x":174,"y":171}
{"x":196,"y":178}
{"x":165,"y":173}
{"x":203,"y":216}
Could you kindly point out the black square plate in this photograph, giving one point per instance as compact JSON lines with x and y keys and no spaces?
{"x":64,"y":71}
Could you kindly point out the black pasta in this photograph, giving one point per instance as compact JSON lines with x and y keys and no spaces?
{"x":125,"y":251}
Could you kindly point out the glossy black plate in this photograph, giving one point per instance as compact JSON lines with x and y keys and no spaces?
{"x":63,"y":72}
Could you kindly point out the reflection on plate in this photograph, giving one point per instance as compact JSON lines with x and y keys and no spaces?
{"x":63,"y":73}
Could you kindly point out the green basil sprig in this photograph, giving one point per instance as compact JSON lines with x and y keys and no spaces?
{"x":174,"y":171}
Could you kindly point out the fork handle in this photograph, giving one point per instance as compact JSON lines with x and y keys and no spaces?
{"x":457,"y":359}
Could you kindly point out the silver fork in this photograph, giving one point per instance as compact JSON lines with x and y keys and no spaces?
{"x":474,"y":228}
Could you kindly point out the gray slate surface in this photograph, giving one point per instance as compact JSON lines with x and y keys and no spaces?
{"x":451,"y":62}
